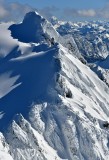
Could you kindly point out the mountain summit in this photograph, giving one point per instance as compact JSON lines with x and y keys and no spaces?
{"x":52,"y":106}
{"x":34,"y":28}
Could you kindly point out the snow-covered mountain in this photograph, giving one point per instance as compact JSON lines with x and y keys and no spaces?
{"x":52,"y":106}
{"x":92,"y":38}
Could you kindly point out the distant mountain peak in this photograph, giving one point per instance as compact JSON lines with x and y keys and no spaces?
{"x":54,"y":20}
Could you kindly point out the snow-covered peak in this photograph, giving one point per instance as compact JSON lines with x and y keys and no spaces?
{"x":33,"y":17}
{"x":34,"y":28}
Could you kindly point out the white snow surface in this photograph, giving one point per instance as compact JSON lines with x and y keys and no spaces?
{"x":4,"y":149}
{"x":52,"y":106}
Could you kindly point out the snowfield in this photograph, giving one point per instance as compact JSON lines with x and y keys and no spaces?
{"x":52,"y":106}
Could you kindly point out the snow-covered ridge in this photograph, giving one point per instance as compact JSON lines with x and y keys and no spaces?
{"x":54,"y":106}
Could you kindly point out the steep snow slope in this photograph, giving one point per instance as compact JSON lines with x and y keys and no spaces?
{"x":52,"y":106}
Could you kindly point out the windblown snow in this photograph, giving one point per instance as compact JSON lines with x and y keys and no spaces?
{"x":52,"y":106}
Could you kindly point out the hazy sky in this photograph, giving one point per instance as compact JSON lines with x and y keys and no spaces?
{"x":63,"y":9}
{"x":64,"y":3}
